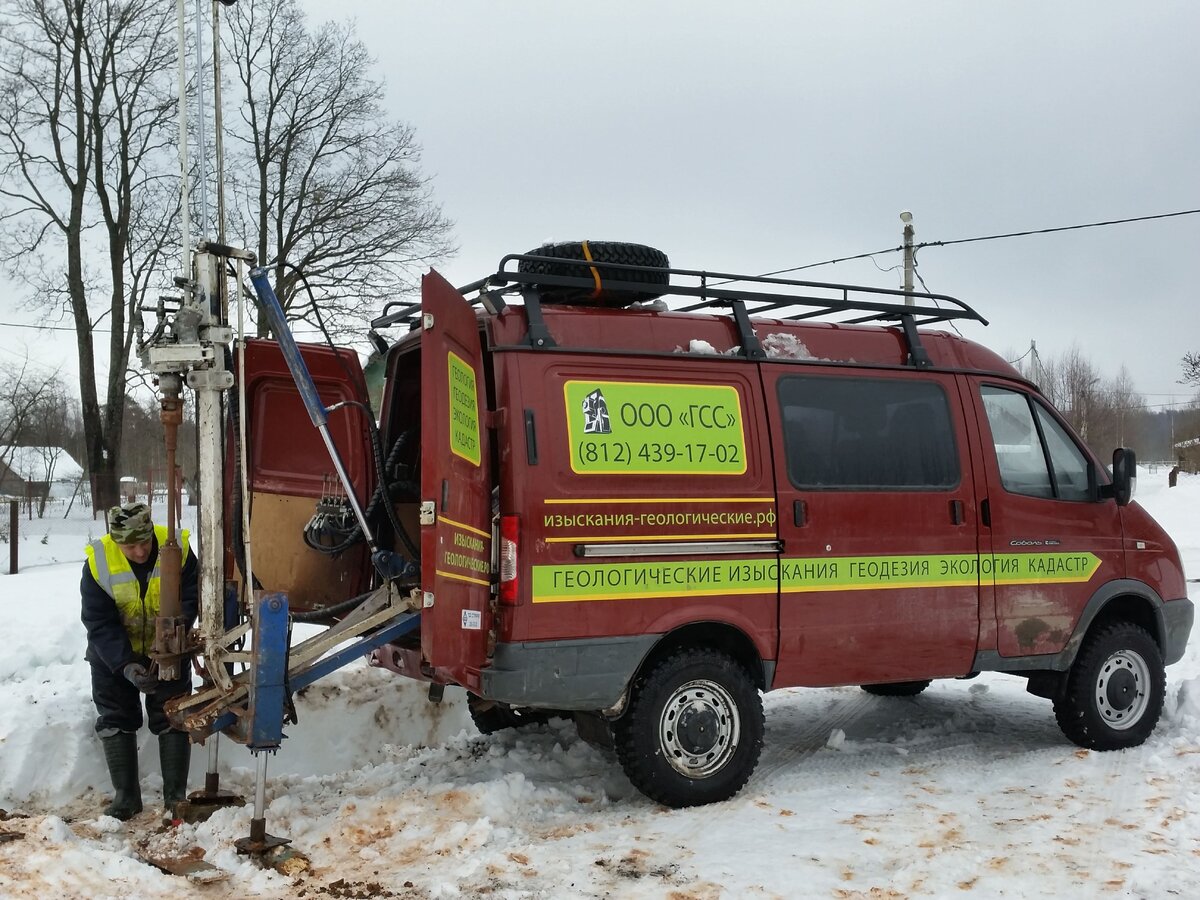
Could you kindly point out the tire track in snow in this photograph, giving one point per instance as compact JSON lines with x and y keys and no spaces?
{"x":811,"y":738}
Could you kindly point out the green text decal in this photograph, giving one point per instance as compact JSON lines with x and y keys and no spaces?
{"x":631,"y":581}
{"x":650,"y":428}
{"x":464,"y":409}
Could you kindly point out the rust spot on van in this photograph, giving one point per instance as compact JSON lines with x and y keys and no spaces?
{"x":1029,"y":630}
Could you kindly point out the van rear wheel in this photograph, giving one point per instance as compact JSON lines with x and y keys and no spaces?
{"x":897,"y":688}
{"x":1114,"y":691}
{"x":693,"y":731}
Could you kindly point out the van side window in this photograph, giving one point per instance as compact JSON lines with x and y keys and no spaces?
{"x":1066,"y":460}
{"x":867,"y":434}
{"x":1036,"y":458}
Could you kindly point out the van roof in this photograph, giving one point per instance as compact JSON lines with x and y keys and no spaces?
{"x":721,"y":314}
{"x":643,"y":331}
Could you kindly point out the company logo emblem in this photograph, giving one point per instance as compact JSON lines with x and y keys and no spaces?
{"x":595,"y":414}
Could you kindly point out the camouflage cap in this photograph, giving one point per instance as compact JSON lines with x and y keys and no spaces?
{"x":130,"y":524}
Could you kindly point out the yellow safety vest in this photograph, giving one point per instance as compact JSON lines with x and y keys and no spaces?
{"x":114,"y":574}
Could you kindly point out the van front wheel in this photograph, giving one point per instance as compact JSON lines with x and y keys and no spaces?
{"x":693,"y":731}
{"x":1114,"y":691}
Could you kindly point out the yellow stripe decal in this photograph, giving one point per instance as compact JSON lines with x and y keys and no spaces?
{"x":450,"y":521}
{"x":642,"y":538}
{"x":796,"y":575}
{"x":770,"y":500}
{"x":461,"y":578}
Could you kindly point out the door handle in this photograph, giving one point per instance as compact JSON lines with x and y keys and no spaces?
{"x":799,"y":513}
{"x":985,"y":512}
{"x":956,"y":512}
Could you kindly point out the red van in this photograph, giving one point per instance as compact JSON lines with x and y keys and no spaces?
{"x":644,"y":517}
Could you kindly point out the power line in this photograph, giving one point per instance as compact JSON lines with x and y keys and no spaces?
{"x":996,"y":237}
{"x":986,"y":237}
{"x":70,"y":328}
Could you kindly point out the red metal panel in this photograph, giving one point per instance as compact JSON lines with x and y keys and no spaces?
{"x":1151,"y":556}
{"x":562,"y":508}
{"x":456,"y":478}
{"x":287,"y":455}
{"x":1038,"y":616}
{"x":859,"y":634}
{"x":288,"y":458}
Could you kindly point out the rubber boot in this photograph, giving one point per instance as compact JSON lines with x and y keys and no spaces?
{"x":174,"y":755}
{"x":121,"y":754}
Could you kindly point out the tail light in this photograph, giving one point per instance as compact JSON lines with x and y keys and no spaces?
{"x":510,"y":527}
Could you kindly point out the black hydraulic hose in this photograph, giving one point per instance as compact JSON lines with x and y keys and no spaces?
{"x":381,"y":490}
{"x":377,"y":446}
{"x":381,"y":494}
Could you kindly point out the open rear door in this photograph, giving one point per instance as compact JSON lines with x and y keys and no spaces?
{"x":456,"y":485}
{"x":290,"y":471}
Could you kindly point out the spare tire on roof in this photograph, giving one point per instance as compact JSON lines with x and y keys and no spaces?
{"x":597,"y":276}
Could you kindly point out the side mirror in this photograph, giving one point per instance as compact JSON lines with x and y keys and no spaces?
{"x":1124,"y":471}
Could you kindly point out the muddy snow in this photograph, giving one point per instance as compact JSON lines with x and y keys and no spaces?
{"x":966,"y":790}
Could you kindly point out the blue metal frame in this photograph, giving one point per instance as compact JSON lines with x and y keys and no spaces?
{"x":261,"y":728}
{"x":268,"y":685}
{"x":347,"y":655}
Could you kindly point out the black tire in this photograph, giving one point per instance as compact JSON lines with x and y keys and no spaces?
{"x":490,"y":716}
{"x":1114,"y":692}
{"x":714,"y":753}
{"x":595,"y":293}
{"x":897,"y":688}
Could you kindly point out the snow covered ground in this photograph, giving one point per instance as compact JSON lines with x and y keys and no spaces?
{"x":969,"y":789}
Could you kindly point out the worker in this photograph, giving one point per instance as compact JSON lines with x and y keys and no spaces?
{"x":120,"y":599}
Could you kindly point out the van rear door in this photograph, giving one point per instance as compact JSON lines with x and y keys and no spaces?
{"x":290,"y":472}
{"x":456,"y":486}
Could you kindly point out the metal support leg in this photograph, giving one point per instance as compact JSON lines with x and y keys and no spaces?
{"x":259,"y":842}
{"x":202,"y":804}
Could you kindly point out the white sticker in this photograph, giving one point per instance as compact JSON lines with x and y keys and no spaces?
{"x":472,"y":620}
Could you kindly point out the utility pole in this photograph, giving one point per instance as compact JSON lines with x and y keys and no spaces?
{"x":906,"y":218}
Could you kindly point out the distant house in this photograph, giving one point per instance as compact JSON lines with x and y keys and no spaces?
{"x":38,"y":472}
{"x":1187,"y":454}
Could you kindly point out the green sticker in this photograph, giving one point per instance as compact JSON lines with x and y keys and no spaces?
{"x":796,"y":575}
{"x":464,"y":409}
{"x":651,"y":428}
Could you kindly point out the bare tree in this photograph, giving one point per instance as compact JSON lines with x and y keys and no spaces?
{"x":28,"y":396}
{"x":33,"y":400}
{"x":1106,"y":412}
{"x":1191,"y":368}
{"x":84,"y":104}
{"x":334,"y":201}
{"x":1116,"y":414}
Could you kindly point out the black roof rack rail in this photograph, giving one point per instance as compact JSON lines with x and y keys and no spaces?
{"x":741,"y":295}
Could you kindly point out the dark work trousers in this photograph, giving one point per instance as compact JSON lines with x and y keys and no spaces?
{"x":119,"y":703}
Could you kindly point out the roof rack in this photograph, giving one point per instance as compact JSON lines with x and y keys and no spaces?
{"x":742,"y":295}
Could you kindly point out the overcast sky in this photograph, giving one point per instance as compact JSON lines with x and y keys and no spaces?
{"x":753,"y":136}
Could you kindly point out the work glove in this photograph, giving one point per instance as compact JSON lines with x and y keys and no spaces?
{"x":141,"y":679}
